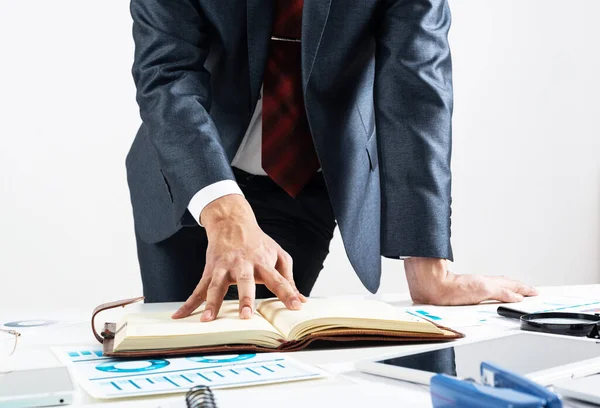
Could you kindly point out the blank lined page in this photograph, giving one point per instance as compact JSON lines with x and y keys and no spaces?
{"x":328,"y":311}
{"x":161,"y":324}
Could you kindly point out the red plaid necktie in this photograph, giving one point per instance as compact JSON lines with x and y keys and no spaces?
{"x":288,"y":152}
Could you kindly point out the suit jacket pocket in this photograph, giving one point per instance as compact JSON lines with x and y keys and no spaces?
{"x":372,"y":151}
{"x":167,"y":186}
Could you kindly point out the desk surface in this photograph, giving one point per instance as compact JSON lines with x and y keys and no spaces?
{"x":346,"y":386}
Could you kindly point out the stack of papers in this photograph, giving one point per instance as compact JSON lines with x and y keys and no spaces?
{"x":486,"y":314}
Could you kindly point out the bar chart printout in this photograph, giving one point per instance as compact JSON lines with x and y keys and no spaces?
{"x":106,"y":378}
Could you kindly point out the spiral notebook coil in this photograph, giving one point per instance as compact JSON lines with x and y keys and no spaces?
{"x":200,"y":397}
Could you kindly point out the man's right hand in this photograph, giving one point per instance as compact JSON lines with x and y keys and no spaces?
{"x":239,"y":252}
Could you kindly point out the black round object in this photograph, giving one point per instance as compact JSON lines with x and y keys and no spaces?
{"x":571,"y":324}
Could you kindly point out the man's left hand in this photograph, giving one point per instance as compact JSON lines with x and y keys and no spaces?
{"x":430,"y":282}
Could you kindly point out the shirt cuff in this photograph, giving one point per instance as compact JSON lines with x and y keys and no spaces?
{"x":209,"y":194}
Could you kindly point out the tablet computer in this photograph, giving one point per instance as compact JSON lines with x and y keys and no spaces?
{"x":543,"y":358}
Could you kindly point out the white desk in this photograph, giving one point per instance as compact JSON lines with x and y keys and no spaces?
{"x":346,"y":387}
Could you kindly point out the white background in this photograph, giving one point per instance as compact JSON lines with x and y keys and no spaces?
{"x":526,"y":161}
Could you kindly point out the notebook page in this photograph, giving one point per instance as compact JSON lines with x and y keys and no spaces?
{"x":227,"y":321}
{"x":339,"y":309}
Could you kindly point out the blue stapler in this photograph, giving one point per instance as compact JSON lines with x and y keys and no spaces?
{"x":499,"y":389}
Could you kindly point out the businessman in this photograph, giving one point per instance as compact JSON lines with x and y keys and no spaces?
{"x":268,"y":122}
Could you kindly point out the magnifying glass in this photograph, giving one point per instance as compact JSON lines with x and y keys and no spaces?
{"x":570,"y":324}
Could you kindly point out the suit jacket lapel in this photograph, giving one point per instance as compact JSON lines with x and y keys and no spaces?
{"x":259,"y":23}
{"x":314,"y":18}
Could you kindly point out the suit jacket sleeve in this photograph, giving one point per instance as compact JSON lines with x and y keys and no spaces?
{"x":173,"y":92}
{"x":413,"y":111}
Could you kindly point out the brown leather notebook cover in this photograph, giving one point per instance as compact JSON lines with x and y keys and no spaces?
{"x":331,"y":338}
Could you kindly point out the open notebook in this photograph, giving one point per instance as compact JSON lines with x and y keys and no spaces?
{"x":272,"y":328}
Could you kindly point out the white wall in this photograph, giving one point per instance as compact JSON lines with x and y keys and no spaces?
{"x":526,"y":197}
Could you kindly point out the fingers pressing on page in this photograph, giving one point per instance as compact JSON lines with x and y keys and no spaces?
{"x":196,"y":298}
{"x":285,"y":266}
{"x":246,"y":290}
{"x":239,"y":253}
{"x":280,"y":286}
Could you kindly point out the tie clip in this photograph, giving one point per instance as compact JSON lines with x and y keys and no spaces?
{"x":285,"y":39}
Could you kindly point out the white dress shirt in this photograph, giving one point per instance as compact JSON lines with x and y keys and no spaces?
{"x":248,"y":158}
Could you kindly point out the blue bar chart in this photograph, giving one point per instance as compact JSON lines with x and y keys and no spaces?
{"x":104,"y":377}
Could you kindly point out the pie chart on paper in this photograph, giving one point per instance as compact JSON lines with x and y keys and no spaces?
{"x":132,"y":366}
{"x":30,"y":323}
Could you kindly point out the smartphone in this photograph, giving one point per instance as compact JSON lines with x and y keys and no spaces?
{"x":42,"y":387}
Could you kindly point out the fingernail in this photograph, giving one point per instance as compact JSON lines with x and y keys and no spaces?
{"x":246,"y":313}
{"x":296,"y":305}
{"x":207,"y":315}
{"x":518,"y":297}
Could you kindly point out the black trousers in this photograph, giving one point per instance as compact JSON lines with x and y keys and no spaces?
{"x":302,"y":226}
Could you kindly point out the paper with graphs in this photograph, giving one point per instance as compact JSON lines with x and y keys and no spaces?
{"x":104,"y":377}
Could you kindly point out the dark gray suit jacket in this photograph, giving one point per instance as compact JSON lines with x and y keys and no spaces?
{"x":378,"y":90}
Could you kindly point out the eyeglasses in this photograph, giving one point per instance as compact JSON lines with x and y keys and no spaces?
{"x":8,"y":342}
